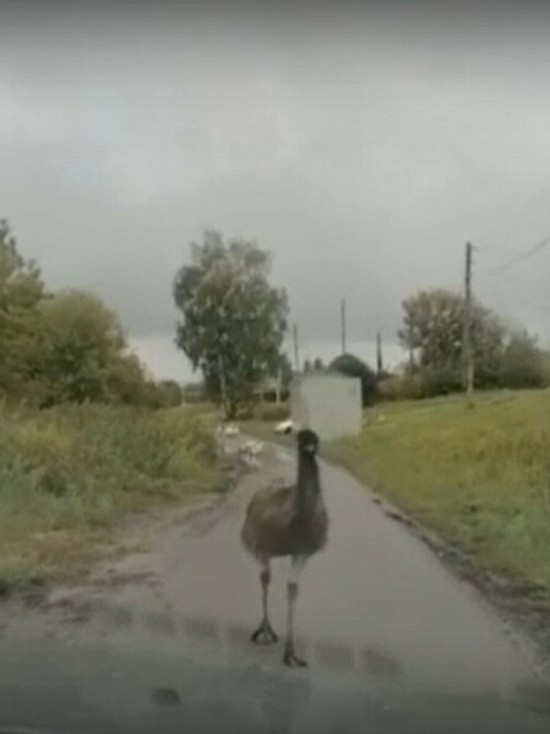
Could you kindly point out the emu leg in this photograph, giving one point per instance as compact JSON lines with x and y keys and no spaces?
{"x":265,"y":633}
{"x":289,"y":657}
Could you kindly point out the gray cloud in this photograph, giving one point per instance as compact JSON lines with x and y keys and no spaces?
{"x":361,"y":148}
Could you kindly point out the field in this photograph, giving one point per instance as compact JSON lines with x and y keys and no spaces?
{"x":479,"y":477}
{"x":67,"y":473}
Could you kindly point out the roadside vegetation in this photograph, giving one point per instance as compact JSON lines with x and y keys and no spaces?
{"x":68,"y":472}
{"x":86,"y":433}
{"x":479,"y":477}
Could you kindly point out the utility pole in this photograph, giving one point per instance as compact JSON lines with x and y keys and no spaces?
{"x":379,"y":360}
{"x":467,"y":348}
{"x":296,"y":350}
{"x":343,"y":324}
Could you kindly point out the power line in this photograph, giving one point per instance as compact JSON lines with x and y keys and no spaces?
{"x":296,"y":348}
{"x":520,"y":257}
{"x":343,"y":324}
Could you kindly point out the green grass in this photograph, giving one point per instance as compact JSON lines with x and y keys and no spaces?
{"x":68,"y":472}
{"x":479,"y":476}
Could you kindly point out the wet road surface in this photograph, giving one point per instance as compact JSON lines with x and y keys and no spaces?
{"x":376,"y":605}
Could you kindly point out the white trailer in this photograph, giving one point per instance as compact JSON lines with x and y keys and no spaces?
{"x":327,"y":402}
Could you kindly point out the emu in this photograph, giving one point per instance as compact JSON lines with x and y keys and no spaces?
{"x":287,"y":521}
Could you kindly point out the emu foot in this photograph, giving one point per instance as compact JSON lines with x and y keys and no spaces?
{"x":264,"y":635}
{"x":290,"y":658}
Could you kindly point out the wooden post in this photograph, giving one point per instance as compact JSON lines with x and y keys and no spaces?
{"x":379,"y":360}
{"x":343,"y":324}
{"x":467,"y":347}
{"x":296,"y":348}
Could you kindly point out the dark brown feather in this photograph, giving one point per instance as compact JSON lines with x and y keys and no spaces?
{"x":273,"y":527}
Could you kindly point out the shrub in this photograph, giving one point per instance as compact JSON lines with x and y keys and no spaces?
{"x":522,"y":363}
{"x":76,"y":465}
{"x":406,"y":387}
{"x":439,"y":381}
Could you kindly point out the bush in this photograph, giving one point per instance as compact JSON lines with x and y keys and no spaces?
{"x":348,"y":364}
{"x":69,"y":469}
{"x":523,"y":363}
{"x":436,"y":381}
{"x":406,"y":387}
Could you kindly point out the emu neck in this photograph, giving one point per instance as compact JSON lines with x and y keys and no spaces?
{"x":308,"y":486}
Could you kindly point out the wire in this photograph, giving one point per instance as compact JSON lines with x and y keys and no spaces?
{"x":520,"y":257}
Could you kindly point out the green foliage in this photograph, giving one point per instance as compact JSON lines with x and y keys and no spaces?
{"x":80,"y":343}
{"x":433,"y":328}
{"x":170,"y":393}
{"x":233,"y":321}
{"x":284,"y":369}
{"x":478,"y":477}
{"x":73,"y":468}
{"x":352,"y":366}
{"x":66,"y":346}
{"x":21,"y":290}
{"x":127,"y":383}
{"x":21,"y":285}
{"x":401,"y":387}
{"x":523,"y":363}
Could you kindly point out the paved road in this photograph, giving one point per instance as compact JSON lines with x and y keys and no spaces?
{"x":376,"y":604}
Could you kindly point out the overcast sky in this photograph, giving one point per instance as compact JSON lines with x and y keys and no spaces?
{"x":362,"y":147}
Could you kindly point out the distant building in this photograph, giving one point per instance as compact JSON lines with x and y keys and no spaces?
{"x":328,"y":403}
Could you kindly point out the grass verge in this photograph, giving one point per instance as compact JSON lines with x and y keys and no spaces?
{"x":68,"y":472}
{"x":479,"y":477}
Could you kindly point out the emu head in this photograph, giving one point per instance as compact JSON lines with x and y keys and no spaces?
{"x":308,"y":441}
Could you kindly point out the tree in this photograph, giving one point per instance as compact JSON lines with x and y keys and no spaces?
{"x":352,"y":366}
{"x":523,"y":363}
{"x":233,"y":320}
{"x":21,"y":284}
{"x":282,"y":371}
{"x":127,"y":381}
{"x":318,"y":364}
{"x":433,"y":331}
{"x":80,"y":348}
{"x":66,"y":346}
{"x":21,"y":289}
{"x":286,"y":371}
{"x":170,"y":393}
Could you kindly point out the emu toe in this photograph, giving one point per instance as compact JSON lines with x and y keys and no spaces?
{"x":264,"y":635}
{"x":291,"y":660}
